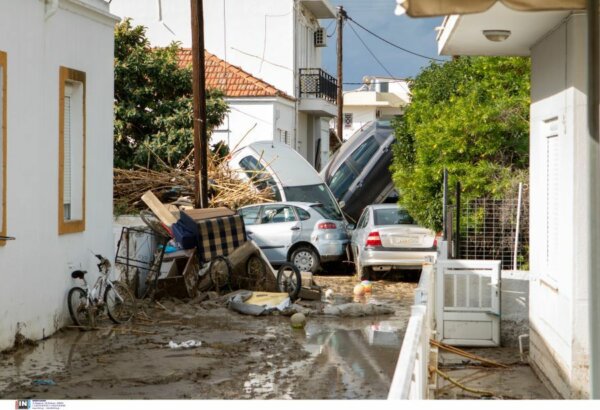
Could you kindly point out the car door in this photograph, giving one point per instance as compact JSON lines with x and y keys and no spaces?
{"x":276,"y":231}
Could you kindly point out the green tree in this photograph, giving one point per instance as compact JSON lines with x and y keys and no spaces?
{"x":153,"y":102}
{"x":470,"y":116}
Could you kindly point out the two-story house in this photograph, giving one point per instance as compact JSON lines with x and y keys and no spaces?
{"x":275,"y":41}
{"x":378,"y":99}
{"x":56,"y":122}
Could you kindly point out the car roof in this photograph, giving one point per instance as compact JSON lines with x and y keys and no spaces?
{"x":381,"y":128}
{"x":289,"y":166}
{"x":384,"y":206}
{"x":292,"y":203}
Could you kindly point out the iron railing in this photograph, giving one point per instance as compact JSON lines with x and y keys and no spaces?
{"x":316,"y":83}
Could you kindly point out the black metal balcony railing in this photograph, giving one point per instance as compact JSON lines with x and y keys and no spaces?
{"x":316,"y":83}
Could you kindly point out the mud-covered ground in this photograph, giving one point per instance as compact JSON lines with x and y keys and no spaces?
{"x":241,"y":357}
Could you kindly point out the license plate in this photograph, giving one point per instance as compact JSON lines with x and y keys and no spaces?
{"x":404,"y":241}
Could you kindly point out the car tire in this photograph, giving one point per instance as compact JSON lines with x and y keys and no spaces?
{"x":305,"y":259}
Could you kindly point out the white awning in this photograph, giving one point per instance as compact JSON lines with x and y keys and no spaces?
{"x":425,"y":8}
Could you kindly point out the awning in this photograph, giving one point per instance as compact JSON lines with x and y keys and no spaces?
{"x":426,"y":8}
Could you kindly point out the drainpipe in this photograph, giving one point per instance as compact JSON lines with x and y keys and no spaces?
{"x":593,"y":199}
{"x":51,"y":8}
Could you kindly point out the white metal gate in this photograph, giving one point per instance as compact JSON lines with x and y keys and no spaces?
{"x":468,"y":302}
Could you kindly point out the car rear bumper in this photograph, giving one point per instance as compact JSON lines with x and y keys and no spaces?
{"x":331,"y":250}
{"x":397,"y":258}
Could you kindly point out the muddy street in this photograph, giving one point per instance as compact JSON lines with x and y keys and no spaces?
{"x":241,"y":357}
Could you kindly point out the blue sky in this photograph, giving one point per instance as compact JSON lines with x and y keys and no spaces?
{"x":417,"y":35}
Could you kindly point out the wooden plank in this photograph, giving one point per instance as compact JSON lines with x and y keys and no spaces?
{"x":208,"y":213}
{"x":159,"y":209}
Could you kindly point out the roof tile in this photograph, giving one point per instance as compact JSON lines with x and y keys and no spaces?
{"x":232,"y":80}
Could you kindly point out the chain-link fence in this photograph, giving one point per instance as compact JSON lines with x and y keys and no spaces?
{"x":494,"y":229}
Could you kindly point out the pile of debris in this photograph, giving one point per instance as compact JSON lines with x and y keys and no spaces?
{"x":177,"y":183}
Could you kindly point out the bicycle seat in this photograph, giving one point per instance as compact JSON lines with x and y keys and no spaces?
{"x":78,"y":274}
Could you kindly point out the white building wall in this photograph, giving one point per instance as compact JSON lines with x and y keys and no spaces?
{"x":36,"y":267}
{"x":256,"y":35}
{"x":558,"y":308}
{"x":255,"y":119}
{"x":360,"y":117}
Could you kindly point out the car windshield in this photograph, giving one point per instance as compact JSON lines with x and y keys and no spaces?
{"x":364,"y":153}
{"x":325,"y":212}
{"x":392,"y":216}
{"x":314,"y":193}
{"x":341,"y":181}
{"x":259,"y":175}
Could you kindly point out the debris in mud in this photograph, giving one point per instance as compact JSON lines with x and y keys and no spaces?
{"x":259,"y":303}
{"x":185,"y":345}
{"x":43,"y":382}
{"x":357,"y":310}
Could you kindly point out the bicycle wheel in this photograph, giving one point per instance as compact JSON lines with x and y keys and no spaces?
{"x":78,"y":309}
{"x":220,"y":272}
{"x":120,"y":303}
{"x":289,"y":280}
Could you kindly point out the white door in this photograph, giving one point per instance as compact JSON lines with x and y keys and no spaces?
{"x":468,"y":302}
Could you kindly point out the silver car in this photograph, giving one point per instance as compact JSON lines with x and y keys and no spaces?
{"x":386,"y":238}
{"x":306,"y":234}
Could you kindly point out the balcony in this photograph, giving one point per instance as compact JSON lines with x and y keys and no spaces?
{"x":318,"y":92}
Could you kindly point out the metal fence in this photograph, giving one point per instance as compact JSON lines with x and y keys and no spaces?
{"x":316,"y":83}
{"x":494,"y":229}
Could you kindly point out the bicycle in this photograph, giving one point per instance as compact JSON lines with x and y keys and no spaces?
{"x":85,"y":304}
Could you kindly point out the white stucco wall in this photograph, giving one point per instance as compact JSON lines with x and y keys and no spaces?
{"x":257,"y":35}
{"x":360,"y":117}
{"x":558,"y":308}
{"x":36,"y":267}
{"x":260,"y":118}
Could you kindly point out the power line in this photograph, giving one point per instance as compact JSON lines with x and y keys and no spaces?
{"x":376,"y":59}
{"x":392,"y":44}
{"x":371,"y":52}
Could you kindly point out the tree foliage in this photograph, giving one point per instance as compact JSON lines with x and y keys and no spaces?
{"x":470,"y":116}
{"x":153,"y":102}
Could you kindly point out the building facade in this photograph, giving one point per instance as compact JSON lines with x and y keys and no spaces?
{"x":378,"y":99}
{"x":276,"y":41}
{"x":56,"y":104}
{"x":558,"y":285}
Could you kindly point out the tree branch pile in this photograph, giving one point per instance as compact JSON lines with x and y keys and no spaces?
{"x":176,"y":184}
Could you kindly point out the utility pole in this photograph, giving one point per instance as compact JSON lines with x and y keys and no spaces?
{"x":199,"y":89}
{"x":341,"y":16}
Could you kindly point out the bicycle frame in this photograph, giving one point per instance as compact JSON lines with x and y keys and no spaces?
{"x":95,"y":295}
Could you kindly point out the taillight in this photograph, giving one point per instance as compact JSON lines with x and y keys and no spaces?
{"x":373,"y":239}
{"x":326,"y":225}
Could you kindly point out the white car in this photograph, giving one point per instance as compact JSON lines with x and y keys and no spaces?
{"x":283,"y":170}
{"x":387,"y":238}
{"x":304,"y":234}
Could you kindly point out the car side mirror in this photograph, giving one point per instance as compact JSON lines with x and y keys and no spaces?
{"x":351,"y":227}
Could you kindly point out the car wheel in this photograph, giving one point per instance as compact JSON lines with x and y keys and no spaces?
{"x":305,"y":259}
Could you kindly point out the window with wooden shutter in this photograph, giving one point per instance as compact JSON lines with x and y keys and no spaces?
{"x":71,"y":201}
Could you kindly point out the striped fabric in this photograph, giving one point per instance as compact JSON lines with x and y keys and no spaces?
{"x":220,"y":236}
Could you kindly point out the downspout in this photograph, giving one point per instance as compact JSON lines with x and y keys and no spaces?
{"x":593,"y":205}
{"x":51,"y":8}
{"x":296,"y":71}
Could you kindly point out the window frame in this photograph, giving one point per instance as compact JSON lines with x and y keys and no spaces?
{"x":70,"y":226}
{"x":4,"y":144}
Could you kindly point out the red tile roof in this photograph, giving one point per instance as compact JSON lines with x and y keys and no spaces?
{"x":232,"y":80}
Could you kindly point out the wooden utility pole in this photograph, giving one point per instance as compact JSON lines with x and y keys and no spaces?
{"x":199,"y":89}
{"x":340,"y":74}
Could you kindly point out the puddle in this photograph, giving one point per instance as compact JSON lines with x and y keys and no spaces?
{"x":48,"y":357}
